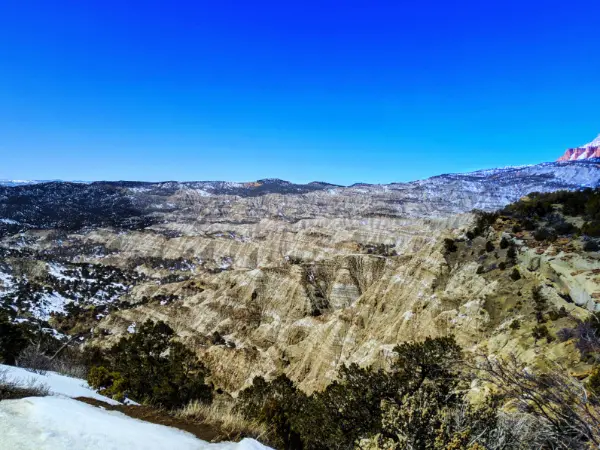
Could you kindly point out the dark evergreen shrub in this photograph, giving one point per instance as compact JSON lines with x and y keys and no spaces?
{"x":149,"y":366}
{"x":515,"y":275}
{"x":450,"y":245}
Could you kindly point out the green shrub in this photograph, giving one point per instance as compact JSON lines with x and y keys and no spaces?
{"x":149,"y":366}
{"x":593,"y":381}
{"x":544,"y":234}
{"x":424,"y":376}
{"x":515,"y":324}
{"x":450,"y":245}
{"x":277,"y":404}
{"x":529,"y":225}
{"x":541,"y":332}
{"x":555,"y":315}
{"x":591,"y":228}
{"x":539,"y":303}
{"x":504,"y":243}
{"x":515,"y":275}
{"x":14,"y":338}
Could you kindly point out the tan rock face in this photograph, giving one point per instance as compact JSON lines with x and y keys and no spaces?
{"x":305,"y":283}
{"x":305,"y":298}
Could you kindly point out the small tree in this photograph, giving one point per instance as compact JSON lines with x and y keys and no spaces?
{"x":568,"y":412}
{"x":150,"y":366}
{"x":450,"y":245}
{"x":14,"y":338}
{"x":276,"y":404}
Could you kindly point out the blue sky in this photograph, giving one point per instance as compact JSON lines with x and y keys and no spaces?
{"x":352,"y":91}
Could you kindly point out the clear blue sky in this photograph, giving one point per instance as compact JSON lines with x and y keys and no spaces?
{"x":341,"y":91}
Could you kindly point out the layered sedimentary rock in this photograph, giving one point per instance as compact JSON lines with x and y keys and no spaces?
{"x":587,"y":151}
{"x":273,"y":277}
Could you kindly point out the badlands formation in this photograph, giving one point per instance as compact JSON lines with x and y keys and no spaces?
{"x":270,"y":277}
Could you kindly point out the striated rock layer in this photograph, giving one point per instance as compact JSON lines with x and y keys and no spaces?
{"x":271,"y":277}
{"x":587,"y":151}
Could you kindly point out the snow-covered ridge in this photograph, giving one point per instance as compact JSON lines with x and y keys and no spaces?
{"x":594,"y":143}
{"x":588,"y":151}
{"x":12,"y":183}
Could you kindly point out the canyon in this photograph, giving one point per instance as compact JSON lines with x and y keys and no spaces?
{"x":272,"y":277}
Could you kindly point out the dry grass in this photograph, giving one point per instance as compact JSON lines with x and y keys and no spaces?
{"x":233,"y":425}
{"x":11,"y":389}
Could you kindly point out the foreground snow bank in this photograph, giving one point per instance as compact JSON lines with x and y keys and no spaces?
{"x":58,"y":384}
{"x":58,"y":423}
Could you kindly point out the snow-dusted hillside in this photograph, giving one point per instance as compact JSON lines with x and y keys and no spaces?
{"x":58,"y":422}
{"x":140,"y":205}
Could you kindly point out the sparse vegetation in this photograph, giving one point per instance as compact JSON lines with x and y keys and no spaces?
{"x":450,"y":245}
{"x":541,"y":332}
{"x":14,"y":338}
{"x":11,"y":390}
{"x":420,"y":404}
{"x":539,"y":304}
{"x":232,"y":424}
{"x":515,"y":275}
{"x":150,"y":366}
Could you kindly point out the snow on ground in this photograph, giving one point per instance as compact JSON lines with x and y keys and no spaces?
{"x":53,"y":423}
{"x":49,"y":303}
{"x":58,"y":384}
{"x":7,"y":284}
{"x":58,"y":422}
{"x":57,"y":271}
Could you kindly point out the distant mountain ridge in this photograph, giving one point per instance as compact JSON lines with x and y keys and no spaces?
{"x":587,"y":151}
{"x":139,"y":205}
{"x":13,"y":183}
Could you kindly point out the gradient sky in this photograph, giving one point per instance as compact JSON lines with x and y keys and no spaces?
{"x":340,"y":91}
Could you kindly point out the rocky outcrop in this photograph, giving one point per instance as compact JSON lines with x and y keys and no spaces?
{"x":588,"y":151}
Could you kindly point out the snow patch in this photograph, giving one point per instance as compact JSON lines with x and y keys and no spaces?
{"x":408,"y":315}
{"x":8,"y":282}
{"x":51,"y":423}
{"x":49,"y":303}
{"x":58,"y":384}
{"x":57,"y":271}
